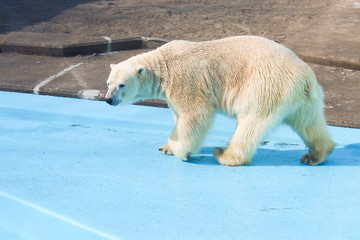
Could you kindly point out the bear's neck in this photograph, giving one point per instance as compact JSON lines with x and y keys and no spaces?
{"x":156,"y":70}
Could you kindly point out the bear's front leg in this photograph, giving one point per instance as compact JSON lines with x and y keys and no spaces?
{"x":165,"y":149}
{"x":247,"y":136}
{"x":189,"y":133}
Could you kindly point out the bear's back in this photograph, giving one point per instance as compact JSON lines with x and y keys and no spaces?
{"x":247,"y":50}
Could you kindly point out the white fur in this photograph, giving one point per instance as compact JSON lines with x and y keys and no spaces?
{"x":256,"y":80}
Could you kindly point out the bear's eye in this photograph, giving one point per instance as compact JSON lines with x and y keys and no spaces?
{"x":122,"y":85}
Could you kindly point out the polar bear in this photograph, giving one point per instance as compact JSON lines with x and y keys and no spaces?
{"x":258,"y":81}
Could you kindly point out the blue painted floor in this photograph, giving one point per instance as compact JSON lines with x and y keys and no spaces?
{"x":79,"y":169}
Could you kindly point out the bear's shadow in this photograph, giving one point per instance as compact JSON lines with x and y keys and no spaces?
{"x":341,"y":156}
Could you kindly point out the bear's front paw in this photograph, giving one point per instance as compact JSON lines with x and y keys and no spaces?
{"x":310,"y":160}
{"x":165,"y":149}
{"x":228,"y":158}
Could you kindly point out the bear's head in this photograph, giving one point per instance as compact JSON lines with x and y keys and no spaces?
{"x":125,"y":83}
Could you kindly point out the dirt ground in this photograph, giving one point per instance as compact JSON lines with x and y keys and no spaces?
{"x":179,"y":19}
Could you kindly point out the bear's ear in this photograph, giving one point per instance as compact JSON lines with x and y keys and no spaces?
{"x":140,"y":70}
{"x":112,"y":66}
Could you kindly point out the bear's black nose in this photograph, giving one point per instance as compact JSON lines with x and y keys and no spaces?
{"x":109,"y":101}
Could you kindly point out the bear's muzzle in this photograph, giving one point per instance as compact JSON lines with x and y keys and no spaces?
{"x":113,"y":101}
{"x":109,"y":101}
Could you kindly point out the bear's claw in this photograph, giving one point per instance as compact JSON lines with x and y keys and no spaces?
{"x":165,"y":149}
{"x":187,"y":158}
{"x":310,"y":160}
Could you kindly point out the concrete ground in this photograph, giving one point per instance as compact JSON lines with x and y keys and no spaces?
{"x":190,"y":20}
{"x":78,"y":169}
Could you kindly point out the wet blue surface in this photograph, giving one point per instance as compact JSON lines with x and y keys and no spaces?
{"x":79,"y":169}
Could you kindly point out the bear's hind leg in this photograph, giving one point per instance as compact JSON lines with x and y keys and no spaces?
{"x":311,"y":126}
{"x":248,"y":133}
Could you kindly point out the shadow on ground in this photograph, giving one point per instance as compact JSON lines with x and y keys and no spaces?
{"x":341,"y":156}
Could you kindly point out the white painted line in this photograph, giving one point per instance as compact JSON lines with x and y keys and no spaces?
{"x":109,"y":43}
{"x":49,"y":79}
{"x":34,"y":222}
